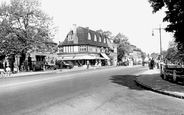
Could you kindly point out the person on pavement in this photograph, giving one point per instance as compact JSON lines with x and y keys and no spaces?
{"x":88,"y":64}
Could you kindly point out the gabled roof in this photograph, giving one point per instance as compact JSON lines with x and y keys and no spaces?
{"x":81,"y":38}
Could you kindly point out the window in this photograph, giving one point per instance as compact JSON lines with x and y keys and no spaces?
{"x":66,"y":48}
{"x":89,"y":36}
{"x":98,"y":49}
{"x":71,"y":49}
{"x":99,"y":39}
{"x":95,"y":38}
{"x":76,"y":48}
{"x":61,"y":50}
{"x":90,"y":49}
{"x":104,"y":40}
{"x":70,"y":38}
{"x":83,"y":49}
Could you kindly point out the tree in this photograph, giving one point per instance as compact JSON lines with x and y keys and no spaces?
{"x":23,"y":27}
{"x":143,"y":55}
{"x":154,"y":55}
{"x":106,"y":33}
{"x":172,"y":54}
{"x":174,"y":15}
{"x":123,"y":45}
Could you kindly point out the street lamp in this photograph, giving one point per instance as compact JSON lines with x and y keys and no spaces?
{"x":160,"y":41}
{"x":160,"y":36}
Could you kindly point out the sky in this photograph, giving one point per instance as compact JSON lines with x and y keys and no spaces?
{"x":133,"y":18}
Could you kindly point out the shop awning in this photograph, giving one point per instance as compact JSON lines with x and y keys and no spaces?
{"x":80,"y":57}
{"x":105,"y":56}
{"x":66,"y":58}
{"x":88,"y":57}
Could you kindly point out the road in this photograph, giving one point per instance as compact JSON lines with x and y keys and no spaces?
{"x":109,"y":91}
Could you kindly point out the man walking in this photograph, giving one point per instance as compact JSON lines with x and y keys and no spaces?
{"x":87,"y":64}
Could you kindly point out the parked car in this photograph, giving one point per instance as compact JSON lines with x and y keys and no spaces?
{"x":37,"y":66}
{"x":67,"y":65}
{"x":62,"y":64}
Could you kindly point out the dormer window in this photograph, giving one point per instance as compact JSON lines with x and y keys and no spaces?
{"x":95,"y":38}
{"x":100,"y":40}
{"x":89,"y":36}
{"x":104,"y":40}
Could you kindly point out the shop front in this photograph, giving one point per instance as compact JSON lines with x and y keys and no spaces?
{"x":81,"y":59}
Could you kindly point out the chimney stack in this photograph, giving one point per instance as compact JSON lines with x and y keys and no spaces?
{"x":74,"y":28}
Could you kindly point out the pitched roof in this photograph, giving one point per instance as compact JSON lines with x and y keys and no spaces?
{"x":81,"y":38}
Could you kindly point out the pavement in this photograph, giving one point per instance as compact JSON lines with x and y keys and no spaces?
{"x":23,"y":74}
{"x":151,"y":79}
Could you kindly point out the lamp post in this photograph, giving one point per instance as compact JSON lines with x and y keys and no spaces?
{"x":160,"y":36}
{"x":160,"y":42}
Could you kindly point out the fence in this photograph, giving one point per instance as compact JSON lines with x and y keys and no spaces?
{"x":172,"y":72}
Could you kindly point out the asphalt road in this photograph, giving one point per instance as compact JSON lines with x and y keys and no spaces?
{"x":109,"y":91}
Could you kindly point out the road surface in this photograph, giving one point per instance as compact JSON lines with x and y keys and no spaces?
{"x":109,"y":91}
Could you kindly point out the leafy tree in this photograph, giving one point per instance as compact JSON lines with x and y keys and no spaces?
{"x":123,"y":45}
{"x":106,"y":33}
{"x":154,"y":55}
{"x":23,"y":27}
{"x":172,"y":54}
{"x":143,"y":55}
{"x":174,"y":15}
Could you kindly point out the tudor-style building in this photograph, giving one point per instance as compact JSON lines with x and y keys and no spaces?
{"x":83,"y":44}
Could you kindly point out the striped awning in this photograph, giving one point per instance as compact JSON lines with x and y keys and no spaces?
{"x":105,"y":56}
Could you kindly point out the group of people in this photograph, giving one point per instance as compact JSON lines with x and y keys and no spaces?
{"x":153,"y":63}
{"x":5,"y":67}
{"x":98,"y":64}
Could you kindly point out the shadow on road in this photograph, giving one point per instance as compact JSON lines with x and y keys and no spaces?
{"x":126,"y":80}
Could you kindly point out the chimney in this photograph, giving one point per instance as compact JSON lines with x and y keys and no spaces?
{"x":74,"y":29}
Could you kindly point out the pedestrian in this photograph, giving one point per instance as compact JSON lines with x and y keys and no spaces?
{"x":99,"y":64}
{"x":6,"y":65}
{"x":152,"y":63}
{"x":88,"y":64}
{"x":29,"y":63}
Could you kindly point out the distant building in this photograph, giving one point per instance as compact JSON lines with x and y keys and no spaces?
{"x":135,"y":54}
{"x":82,"y":44}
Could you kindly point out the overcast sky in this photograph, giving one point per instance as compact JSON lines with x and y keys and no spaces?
{"x":133,"y":18}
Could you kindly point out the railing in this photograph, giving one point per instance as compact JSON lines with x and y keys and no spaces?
{"x":172,"y":72}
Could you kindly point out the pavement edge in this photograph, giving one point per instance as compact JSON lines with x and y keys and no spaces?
{"x":156,"y":90}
